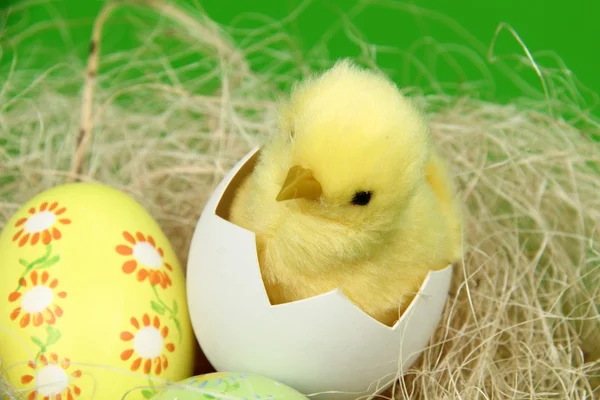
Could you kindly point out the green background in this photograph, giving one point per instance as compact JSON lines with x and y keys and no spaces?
{"x":568,"y":28}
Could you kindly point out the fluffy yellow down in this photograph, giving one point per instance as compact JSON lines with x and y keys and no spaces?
{"x":355,"y":131}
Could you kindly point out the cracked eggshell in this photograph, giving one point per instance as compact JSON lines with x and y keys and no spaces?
{"x":323,"y":343}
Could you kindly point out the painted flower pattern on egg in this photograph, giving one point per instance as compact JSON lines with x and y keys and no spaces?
{"x":54,"y":379}
{"x":39,"y":307}
{"x":148,"y":345}
{"x":42,"y":224}
{"x":146,"y":258}
{"x":37,"y":300}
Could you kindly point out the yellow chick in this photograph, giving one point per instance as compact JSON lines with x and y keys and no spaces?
{"x":350,"y":194}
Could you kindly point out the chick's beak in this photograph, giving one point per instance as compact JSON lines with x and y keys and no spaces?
{"x":300,"y":184}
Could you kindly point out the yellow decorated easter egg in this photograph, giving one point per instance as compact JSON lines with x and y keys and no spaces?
{"x":92,"y":298}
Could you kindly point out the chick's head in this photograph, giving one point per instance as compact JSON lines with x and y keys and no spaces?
{"x":356,"y":150}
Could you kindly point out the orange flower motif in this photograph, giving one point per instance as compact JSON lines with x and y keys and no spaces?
{"x":53,"y":381}
{"x":148,"y":344}
{"x":38,"y":301}
{"x":40,"y":225}
{"x":146,"y":255}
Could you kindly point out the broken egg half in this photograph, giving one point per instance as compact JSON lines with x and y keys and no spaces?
{"x":320,"y":344}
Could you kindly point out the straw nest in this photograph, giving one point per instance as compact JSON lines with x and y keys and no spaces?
{"x":521,"y":319}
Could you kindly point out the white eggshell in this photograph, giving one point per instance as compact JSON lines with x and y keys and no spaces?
{"x":324,"y":343}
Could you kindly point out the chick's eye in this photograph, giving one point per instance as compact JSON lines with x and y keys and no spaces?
{"x":361,"y":198}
